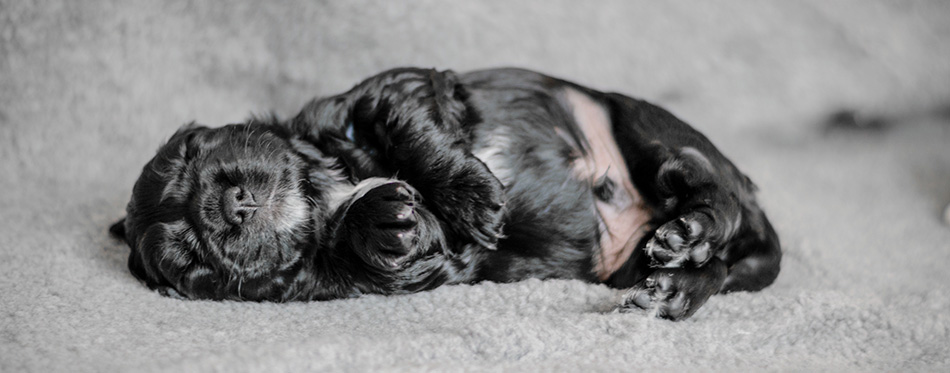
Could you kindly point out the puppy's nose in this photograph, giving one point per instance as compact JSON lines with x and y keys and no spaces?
{"x":238,"y":205}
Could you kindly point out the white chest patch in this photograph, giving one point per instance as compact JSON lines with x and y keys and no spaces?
{"x":494,"y":157}
{"x":624,"y":219}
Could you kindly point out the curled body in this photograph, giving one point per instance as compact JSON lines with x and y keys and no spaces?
{"x":417,"y":178}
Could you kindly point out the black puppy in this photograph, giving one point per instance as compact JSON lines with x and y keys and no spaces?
{"x":417,"y":178}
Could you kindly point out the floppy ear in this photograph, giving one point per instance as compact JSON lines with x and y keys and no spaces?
{"x":139,"y":261}
{"x":135,"y":262}
{"x":135,"y":266}
{"x":118,"y":229}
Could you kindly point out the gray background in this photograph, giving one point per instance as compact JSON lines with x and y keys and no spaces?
{"x":88,"y":91}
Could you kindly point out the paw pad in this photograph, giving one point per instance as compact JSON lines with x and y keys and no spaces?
{"x":681,"y":241}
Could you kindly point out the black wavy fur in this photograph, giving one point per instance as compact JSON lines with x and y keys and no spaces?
{"x":377,"y":190}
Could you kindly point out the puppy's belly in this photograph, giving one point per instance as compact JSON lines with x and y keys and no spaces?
{"x":623,"y":217}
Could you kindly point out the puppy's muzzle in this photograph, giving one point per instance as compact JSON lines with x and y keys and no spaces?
{"x":238,"y":205}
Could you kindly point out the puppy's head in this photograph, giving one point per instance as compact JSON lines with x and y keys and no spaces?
{"x":227,"y":213}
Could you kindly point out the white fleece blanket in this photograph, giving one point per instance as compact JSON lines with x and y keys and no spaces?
{"x":88,"y":90}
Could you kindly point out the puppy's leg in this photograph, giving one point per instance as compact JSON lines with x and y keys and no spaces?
{"x":671,"y":293}
{"x":715,"y":219}
{"x":753,"y":256}
{"x":676,"y":293}
{"x":413,"y":124}
{"x":380,"y":226}
{"x":389,"y":243}
{"x":385,"y":226}
{"x":705,"y":207}
{"x":706,"y":214}
{"x":418,"y":125}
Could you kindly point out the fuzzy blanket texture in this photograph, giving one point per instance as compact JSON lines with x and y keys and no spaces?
{"x":88,"y":91}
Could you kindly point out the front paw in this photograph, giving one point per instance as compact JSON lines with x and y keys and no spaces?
{"x":475,"y":212}
{"x":675,"y":293}
{"x":383,"y":225}
{"x":689,"y":239}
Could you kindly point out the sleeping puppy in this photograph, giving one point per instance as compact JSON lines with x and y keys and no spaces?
{"x":416,"y":178}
